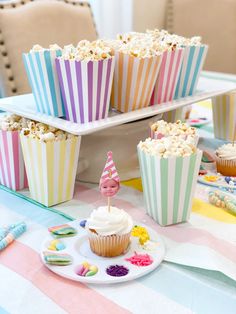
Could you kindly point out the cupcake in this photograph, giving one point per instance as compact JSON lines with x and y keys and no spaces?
{"x":109,"y":231}
{"x":180,"y":129}
{"x":226,"y":160}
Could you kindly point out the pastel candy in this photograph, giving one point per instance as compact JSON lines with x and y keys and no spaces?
{"x":60,"y":246}
{"x":86,"y":270}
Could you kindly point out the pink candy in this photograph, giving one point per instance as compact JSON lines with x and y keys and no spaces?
{"x":140,"y":259}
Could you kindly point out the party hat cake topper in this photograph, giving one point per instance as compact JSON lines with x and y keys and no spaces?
{"x":110,"y":181}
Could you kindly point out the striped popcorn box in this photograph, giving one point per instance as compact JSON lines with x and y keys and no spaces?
{"x":164,"y":89}
{"x":86,"y":88}
{"x":41,"y":71}
{"x":193,"y":61}
{"x":224,"y":116}
{"x":12,"y":168}
{"x":174,"y":115}
{"x":168,"y":186}
{"x":134,"y":80}
{"x":51,"y":168}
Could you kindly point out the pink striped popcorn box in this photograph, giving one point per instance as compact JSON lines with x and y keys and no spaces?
{"x":86,"y":88}
{"x":12,"y":167}
{"x":167,"y":79}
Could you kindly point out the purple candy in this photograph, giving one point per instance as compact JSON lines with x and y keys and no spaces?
{"x":117,"y":270}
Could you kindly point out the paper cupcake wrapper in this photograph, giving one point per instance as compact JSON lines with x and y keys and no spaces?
{"x":12,"y":168}
{"x":164,"y":88}
{"x":109,"y":246}
{"x":168,"y":186}
{"x":51,"y":169}
{"x":42,"y":76}
{"x":193,"y":61}
{"x":86,"y":88}
{"x":224,"y":116}
{"x":133,"y":82}
{"x":226,"y":167}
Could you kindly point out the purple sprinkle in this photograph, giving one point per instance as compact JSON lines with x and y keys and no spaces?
{"x":117,"y":270}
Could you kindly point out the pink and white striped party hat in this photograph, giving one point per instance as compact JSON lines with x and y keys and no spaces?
{"x":109,"y":172}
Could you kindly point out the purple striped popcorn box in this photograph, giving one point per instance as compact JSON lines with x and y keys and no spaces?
{"x":168,"y":181}
{"x":86,"y":88}
{"x":41,"y":71}
{"x":12,"y":167}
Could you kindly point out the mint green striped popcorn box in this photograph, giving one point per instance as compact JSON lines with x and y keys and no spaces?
{"x":169,"y":185}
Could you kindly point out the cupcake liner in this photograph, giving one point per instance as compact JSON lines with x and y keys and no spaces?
{"x":133,"y":82}
{"x":226,"y":167}
{"x":42,"y":76}
{"x":164,"y":88}
{"x":12,"y":168}
{"x":193,"y":61}
{"x":109,"y":246}
{"x":51,"y":168}
{"x":86,"y":88}
{"x":168,"y":186}
{"x":224,"y":116}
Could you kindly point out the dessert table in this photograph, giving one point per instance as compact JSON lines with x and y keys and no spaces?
{"x":198,"y":273}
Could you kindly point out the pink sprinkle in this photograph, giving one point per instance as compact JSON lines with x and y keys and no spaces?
{"x":140,"y":259}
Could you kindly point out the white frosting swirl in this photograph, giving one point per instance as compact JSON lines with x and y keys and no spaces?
{"x":105,"y":223}
{"x":227,"y":151}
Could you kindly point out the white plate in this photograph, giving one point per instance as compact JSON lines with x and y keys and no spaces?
{"x":78,"y":248}
{"x":210,"y":85}
{"x":200,"y":121}
{"x":220,"y":183}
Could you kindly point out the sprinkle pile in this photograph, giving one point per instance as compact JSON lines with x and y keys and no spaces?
{"x":117,"y":270}
{"x":140,"y":259}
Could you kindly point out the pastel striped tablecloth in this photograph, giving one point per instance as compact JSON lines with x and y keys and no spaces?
{"x":207,"y":243}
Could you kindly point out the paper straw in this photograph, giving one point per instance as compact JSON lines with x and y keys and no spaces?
{"x":42,"y":76}
{"x":12,"y":168}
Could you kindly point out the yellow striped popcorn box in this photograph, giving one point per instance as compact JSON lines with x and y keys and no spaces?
{"x":51,"y":168}
{"x":133,"y":82}
{"x":224,"y":116}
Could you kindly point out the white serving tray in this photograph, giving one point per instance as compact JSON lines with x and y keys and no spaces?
{"x":78,"y":248}
{"x":210,"y":84}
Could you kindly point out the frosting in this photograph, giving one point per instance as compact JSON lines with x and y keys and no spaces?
{"x":227,"y":151}
{"x":105,"y":223}
{"x":167,"y":147}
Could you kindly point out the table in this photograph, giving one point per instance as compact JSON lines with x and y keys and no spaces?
{"x":29,"y":287}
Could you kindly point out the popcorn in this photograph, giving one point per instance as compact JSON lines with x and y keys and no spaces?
{"x":177,"y":128}
{"x":52,"y":47}
{"x":88,"y":51}
{"x":45,"y":133}
{"x":167,"y":147}
{"x":12,"y":123}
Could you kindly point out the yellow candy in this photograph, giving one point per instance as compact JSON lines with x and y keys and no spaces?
{"x":54,"y":242}
{"x":93,"y":268}
{"x":52,"y":248}
{"x":86,"y":264}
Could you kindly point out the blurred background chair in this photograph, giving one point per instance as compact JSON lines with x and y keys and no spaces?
{"x":26,"y":23}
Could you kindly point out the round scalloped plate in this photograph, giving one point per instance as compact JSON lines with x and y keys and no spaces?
{"x":78,"y":248}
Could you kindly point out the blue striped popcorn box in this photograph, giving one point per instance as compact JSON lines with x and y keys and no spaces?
{"x":169,"y":185}
{"x":41,"y":71}
{"x":193,"y":61}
